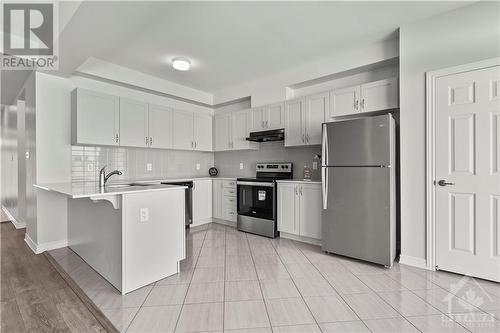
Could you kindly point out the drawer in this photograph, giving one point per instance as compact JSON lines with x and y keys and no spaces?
{"x":229,"y":183}
{"x":229,"y":191}
{"x":230,"y":215}
{"x":228,"y":200}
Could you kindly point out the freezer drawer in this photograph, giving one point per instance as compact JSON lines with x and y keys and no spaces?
{"x":358,"y":142}
{"x":359,"y":218}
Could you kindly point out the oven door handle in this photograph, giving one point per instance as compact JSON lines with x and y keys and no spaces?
{"x":256,"y":184}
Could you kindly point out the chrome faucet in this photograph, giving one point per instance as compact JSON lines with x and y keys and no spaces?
{"x":103,"y":178}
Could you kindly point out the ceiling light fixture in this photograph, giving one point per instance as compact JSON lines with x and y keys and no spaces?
{"x":181,"y":64}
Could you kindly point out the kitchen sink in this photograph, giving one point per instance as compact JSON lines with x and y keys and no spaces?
{"x":126,"y":185}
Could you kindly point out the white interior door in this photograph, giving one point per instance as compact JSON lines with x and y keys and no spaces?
{"x":467,"y":220}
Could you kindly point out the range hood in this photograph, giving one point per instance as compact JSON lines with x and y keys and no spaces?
{"x":266,"y":136}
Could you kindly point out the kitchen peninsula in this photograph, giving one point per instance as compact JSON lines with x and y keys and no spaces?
{"x":131,"y":234}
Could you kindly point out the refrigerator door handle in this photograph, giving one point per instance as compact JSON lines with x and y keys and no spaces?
{"x":324,"y":186}
{"x":324,"y":147}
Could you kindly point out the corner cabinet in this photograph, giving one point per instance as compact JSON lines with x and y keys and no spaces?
{"x":299,"y":209}
{"x":95,"y":118}
{"x":368,"y":97}
{"x":231,"y":131}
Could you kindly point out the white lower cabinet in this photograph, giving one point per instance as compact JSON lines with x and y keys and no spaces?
{"x":299,"y":209}
{"x":224,"y":199}
{"x":202,"y":201}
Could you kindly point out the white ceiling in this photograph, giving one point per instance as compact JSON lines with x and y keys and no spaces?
{"x":229,"y":42}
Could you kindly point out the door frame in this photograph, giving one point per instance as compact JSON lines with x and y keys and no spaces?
{"x":430,"y":137}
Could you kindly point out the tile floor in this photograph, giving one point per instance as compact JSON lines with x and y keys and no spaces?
{"x":237,"y":282}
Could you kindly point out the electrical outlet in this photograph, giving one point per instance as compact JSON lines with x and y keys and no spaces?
{"x":27,"y":154}
{"x":315,"y":165}
{"x":90,"y":167}
{"x":149,"y":166}
{"x":144,"y":214}
{"x":241,"y":166}
{"x":198,"y":166}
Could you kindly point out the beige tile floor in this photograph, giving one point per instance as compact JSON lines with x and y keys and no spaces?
{"x":237,"y":282}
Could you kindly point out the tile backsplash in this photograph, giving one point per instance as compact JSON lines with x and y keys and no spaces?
{"x":86,"y":161}
{"x":133,"y":163}
{"x":228,"y":162}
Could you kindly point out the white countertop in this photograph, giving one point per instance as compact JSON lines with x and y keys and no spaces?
{"x":87,"y":190}
{"x":314,"y":181}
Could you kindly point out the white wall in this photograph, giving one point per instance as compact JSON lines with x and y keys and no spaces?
{"x":273,"y":88}
{"x":462,"y":36}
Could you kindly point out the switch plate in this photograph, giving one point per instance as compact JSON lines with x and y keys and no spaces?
{"x":315,"y":165}
{"x":144,"y":214}
{"x":241,"y":166}
{"x":27,"y":154}
{"x":90,"y":167}
{"x":149,"y":166}
{"x":198,"y":167}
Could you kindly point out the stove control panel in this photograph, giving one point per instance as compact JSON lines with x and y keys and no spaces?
{"x":274,"y":167}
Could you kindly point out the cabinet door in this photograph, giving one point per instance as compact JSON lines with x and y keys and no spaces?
{"x":287,"y":210}
{"x":133,"y":123}
{"x":202,"y":201}
{"x":240,"y":130}
{"x":217,"y":198}
{"x":344,"y":101}
{"x":203,"y":132}
{"x":294,"y":122}
{"x":379,"y":95}
{"x":310,"y":210}
{"x":258,"y":118}
{"x":95,"y":118}
{"x":222,"y":132}
{"x":274,"y":116}
{"x":182,"y":134}
{"x":317,"y":106}
{"x":160,"y":127}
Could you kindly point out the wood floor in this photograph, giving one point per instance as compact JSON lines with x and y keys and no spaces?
{"x":33,"y":296}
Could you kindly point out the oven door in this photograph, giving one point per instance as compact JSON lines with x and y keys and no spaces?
{"x":256,"y":199}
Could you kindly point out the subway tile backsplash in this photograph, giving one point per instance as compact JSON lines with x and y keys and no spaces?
{"x":86,"y":162}
{"x":133,"y":163}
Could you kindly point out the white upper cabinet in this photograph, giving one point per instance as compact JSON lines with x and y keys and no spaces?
{"x":368,"y":97}
{"x":317,"y":107}
{"x":133,"y":123}
{"x":202,"y":137}
{"x":294,"y":122}
{"x":95,"y":118}
{"x":275,"y":116}
{"x":183,"y":130}
{"x":160,"y":127}
{"x":267,"y":117}
{"x":231,"y":131}
{"x":379,"y":95}
{"x":223,"y":132}
{"x":240,"y":131}
{"x":344,"y":101}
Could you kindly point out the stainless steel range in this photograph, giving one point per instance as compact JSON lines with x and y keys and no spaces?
{"x":257,"y":203}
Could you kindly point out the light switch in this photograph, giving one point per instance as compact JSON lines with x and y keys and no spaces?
{"x":144,"y":214}
{"x":241,"y":166}
{"x":315,"y":165}
{"x":90,"y":167}
{"x":149,"y":166}
{"x":198,"y":167}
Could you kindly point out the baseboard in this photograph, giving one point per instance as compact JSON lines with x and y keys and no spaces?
{"x":302,"y":239}
{"x":17,"y":224}
{"x":413,"y":261}
{"x":224,"y":222}
{"x":40,"y":248}
{"x":201,"y":222}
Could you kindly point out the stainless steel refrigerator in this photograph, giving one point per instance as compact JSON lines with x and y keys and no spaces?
{"x":358,"y":183}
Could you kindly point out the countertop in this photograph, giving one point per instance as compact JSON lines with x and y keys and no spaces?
{"x":87,"y":190}
{"x":307,"y":181}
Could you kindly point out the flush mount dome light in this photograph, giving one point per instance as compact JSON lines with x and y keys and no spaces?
{"x":181,"y":64}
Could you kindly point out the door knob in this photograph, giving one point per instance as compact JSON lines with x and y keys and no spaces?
{"x":443,"y":182}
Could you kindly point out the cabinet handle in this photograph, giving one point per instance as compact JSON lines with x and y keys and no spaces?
{"x":296,"y":192}
{"x":195,"y":144}
{"x":150,"y":140}
{"x":147,"y":142}
{"x":307,"y":138}
{"x":192,"y":144}
{"x":356,"y":105}
{"x":303,"y":138}
{"x":117,"y":138}
{"x":363,"y":104}
{"x":300,"y":189}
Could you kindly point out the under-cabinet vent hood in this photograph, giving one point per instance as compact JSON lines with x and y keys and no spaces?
{"x":266,"y":136}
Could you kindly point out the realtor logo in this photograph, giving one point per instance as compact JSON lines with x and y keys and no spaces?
{"x":28,"y":36}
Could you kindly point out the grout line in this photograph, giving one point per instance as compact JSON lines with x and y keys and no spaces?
{"x":224,"y":283}
{"x":258,"y":281}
